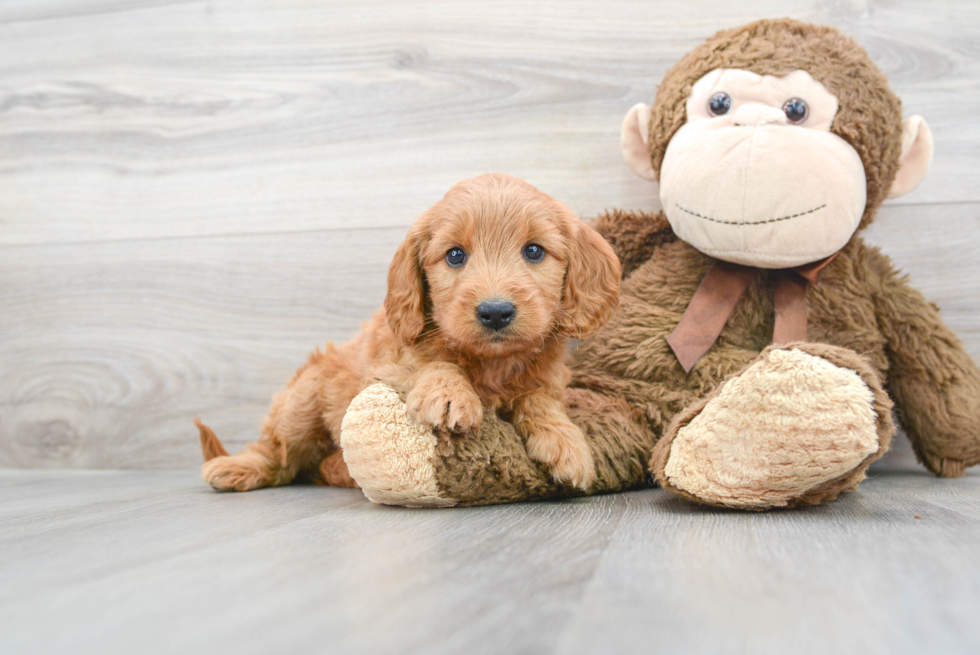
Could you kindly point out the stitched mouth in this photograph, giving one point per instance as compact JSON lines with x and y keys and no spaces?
{"x":762,"y":222}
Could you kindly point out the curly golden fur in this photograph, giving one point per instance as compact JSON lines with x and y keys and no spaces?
{"x":430,"y":343}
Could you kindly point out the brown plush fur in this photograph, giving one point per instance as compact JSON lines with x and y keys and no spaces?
{"x":493,"y":466}
{"x":429,"y":344}
{"x":860,"y":303}
{"x":627,"y":385}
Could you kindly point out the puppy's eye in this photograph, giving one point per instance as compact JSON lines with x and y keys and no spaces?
{"x":796,"y":110}
{"x":456,"y":257}
{"x":533,"y":252}
{"x":719,"y":104}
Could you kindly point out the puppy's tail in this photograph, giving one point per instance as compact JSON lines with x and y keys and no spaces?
{"x":210,"y":445}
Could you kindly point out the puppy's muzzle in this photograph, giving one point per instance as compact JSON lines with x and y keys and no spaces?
{"x":496,"y":314}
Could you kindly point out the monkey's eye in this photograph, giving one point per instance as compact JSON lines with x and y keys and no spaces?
{"x":796,"y":110}
{"x":533,"y":252}
{"x":456,"y":257}
{"x":719,"y":104}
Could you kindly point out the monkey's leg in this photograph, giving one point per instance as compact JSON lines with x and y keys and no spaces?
{"x":796,"y":427}
{"x":397,"y":461}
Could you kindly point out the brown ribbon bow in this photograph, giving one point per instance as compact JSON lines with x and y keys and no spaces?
{"x":719,"y":292}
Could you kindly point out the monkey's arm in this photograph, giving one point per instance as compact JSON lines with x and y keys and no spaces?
{"x":633,"y":234}
{"x":933,"y":381}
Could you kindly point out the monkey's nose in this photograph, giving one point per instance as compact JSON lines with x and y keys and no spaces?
{"x":495,"y":314}
{"x":752,"y":113}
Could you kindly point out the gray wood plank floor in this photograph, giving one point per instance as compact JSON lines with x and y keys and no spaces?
{"x":194,"y":194}
{"x":155,"y":562}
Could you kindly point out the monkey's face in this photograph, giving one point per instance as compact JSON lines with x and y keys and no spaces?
{"x":756,"y":177}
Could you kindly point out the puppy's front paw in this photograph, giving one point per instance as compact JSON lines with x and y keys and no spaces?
{"x":445,"y":405}
{"x":562,"y":448}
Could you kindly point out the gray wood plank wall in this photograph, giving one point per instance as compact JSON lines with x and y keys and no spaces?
{"x":195,"y":194}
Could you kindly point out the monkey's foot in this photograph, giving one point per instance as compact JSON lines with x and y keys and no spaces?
{"x":796,"y":427}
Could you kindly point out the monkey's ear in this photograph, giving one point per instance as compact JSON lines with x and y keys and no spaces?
{"x":916,"y":156}
{"x":635,"y":139}
{"x":405,"y":302}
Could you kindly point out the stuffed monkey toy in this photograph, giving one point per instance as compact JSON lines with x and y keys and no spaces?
{"x":760,"y":345}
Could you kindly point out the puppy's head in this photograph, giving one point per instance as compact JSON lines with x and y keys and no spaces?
{"x":496,"y":266}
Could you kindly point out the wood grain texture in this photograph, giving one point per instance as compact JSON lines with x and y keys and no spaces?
{"x":155,"y":562}
{"x":195,"y":194}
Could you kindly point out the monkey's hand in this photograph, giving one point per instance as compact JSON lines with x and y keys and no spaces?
{"x":932,"y":379}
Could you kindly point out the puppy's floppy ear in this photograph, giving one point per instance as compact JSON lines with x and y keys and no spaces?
{"x":405,"y":302}
{"x":591,"y":292}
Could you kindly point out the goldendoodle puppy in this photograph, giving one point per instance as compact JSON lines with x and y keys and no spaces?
{"x":483,"y":295}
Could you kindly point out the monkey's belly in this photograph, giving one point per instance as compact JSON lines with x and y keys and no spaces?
{"x":630,"y":355}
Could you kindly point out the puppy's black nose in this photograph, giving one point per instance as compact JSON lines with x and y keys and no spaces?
{"x":495,"y":314}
